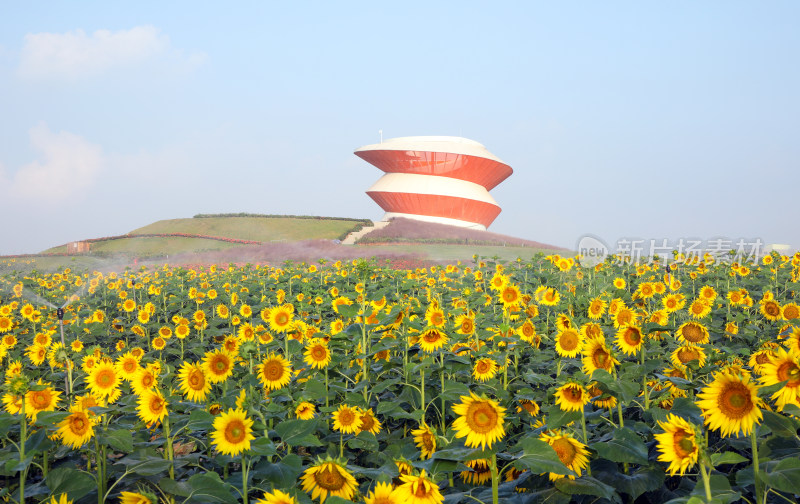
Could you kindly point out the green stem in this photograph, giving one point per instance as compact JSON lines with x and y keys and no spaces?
{"x":706,"y":481}
{"x":23,"y":438}
{"x":495,"y":479}
{"x":327,"y":399}
{"x":245,"y":463}
{"x":422,"y":389}
{"x":583,"y":425}
{"x":168,"y":449}
{"x":760,"y":494}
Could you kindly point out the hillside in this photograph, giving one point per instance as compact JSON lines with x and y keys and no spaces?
{"x":401,"y":230}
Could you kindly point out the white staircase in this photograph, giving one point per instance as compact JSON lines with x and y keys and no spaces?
{"x":352,"y":237}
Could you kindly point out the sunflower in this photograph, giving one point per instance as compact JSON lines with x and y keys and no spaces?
{"x":629,"y":339}
{"x":600,"y":398}
{"x":233,"y":432}
{"x":770,"y":309}
{"x":347,"y":419}
{"x":328,"y":478}
{"x":425,"y":439}
{"x":36,"y":354}
{"x":783,"y":366}
{"x":181,"y":331}
{"x":678,"y":444}
{"x":465,"y":324}
{"x":619,"y":283}
{"x":481,"y":472}
{"x":673,"y":302}
{"x":381,"y":494}
{"x":596,"y":355}
{"x":218,"y":365}
{"x":480,"y":420}
{"x":700,"y":308}
{"x":152,"y":408}
{"x":317,"y":354}
{"x":791,"y":311}
{"x":485,"y":369}
{"x":275,"y":372}
{"x":624,"y":317}
{"x":144,"y":380}
{"x":103,"y":381}
{"x":730,"y":404}
{"x":510,"y":295}
{"x":693,"y":333}
{"x":435,"y":316}
{"x":417,"y":490}
{"x":570,"y":451}
{"x":568,"y":343}
{"x":280,"y":318}
{"x":41,"y":398}
{"x":129,"y":305}
{"x":572,"y":397}
{"x":62,"y":499}
{"x":368,"y":422}
{"x":550,"y":297}
{"x":596,"y":308}
{"x":136,"y":498}
{"x":685,"y":354}
{"x":276,"y":497}
{"x":305,"y":411}
{"x":432,"y":339}
{"x":12,"y":403}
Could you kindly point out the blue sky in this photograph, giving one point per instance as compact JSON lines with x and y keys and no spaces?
{"x":653,"y":120}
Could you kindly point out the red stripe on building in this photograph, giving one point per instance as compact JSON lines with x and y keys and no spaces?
{"x":434,"y":205}
{"x":485,"y":172}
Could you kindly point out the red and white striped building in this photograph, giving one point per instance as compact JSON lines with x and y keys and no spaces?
{"x":437,"y":179}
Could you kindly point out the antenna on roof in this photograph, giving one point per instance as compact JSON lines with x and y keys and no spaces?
{"x":380,"y":132}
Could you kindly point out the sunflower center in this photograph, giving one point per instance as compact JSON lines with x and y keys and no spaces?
{"x":129,"y":366}
{"x":735,"y":401}
{"x":568,"y":340}
{"x":772,"y":309}
{"x":481,"y":417}
{"x":632,"y":336}
{"x":624,"y":316}
{"x":431,"y":337}
{"x":565,"y":450}
{"x":482,"y":367}
{"x":78,"y":424}
{"x":600,"y":358}
{"x":367,"y":423}
{"x":683,"y":444}
{"x":156,"y":405}
{"x":41,"y":399}
{"x":105,"y":378}
{"x":330,"y":479}
{"x":147,"y":380}
{"x":688,"y":355}
{"x":220,"y":365}
{"x":273,"y":370}
{"x":573,"y":394}
{"x":281,"y":319}
{"x":346,"y":418}
{"x":789,"y":371}
{"x":762,"y":358}
{"x":319,"y":353}
{"x":196,"y":380}
{"x":692,"y":333}
{"x":791,"y":312}
{"x":235,"y":432}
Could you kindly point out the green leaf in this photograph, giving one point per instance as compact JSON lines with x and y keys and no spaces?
{"x":51,"y":418}
{"x":283,"y":473}
{"x":721,"y":491}
{"x":199,"y":420}
{"x":780,"y":425}
{"x":75,"y":483}
{"x":727,"y":457}
{"x":263,"y":446}
{"x":150,"y":466}
{"x":209,"y":487}
{"x":587,"y":485}
{"x":783,"y":476}
{"x":687,"y":409}
{"x":292,"y":432}
{"x":540,"y":457}
{"x":624,"y":446}
{"x":337,"y":500}
{"x":557,"y":418}
{"x":171,"y":487}
{"x":120,"y":440}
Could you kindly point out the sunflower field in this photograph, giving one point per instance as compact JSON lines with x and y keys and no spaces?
{"x":530,"y":381}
